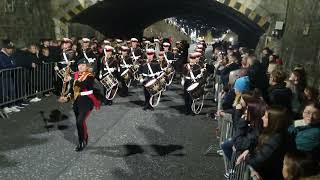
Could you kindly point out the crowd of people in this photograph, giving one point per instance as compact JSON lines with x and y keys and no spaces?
{"x":276,"y":117}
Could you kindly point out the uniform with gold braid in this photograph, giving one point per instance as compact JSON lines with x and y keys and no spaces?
{"x":84,"y":99}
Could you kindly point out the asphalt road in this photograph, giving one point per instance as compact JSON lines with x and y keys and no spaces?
{"x":125,"y":142}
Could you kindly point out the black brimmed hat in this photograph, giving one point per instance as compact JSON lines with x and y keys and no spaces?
{"x":83,"y":61}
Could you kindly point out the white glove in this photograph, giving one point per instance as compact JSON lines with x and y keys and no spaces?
{"x":182,"y":81}
{"x":141,"y":80}
{"x":91,"y":60}
{"x":56,"y":68}
{"x":112,"y":69}
{"x":100,"y":76}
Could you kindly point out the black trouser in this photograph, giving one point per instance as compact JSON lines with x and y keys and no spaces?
{"x":124,"y":88}
{"x":147,"y":97}
{"x":187,"y":97}
{"x":82,"y":108}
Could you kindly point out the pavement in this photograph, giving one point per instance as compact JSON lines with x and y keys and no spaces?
{"x":125,"y":142}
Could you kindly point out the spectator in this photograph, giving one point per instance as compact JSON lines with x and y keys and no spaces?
{"x":266,"y":52}
{"x":7,"y":89}
{"x":33,"y":56}
{"x":6,"y":61}
{"x":233,"y":95}
{"x":231,"y":66}
{"x":310,"y":95}
{"x":249,"y":126}
{"x":299,"y":165}
{"x":304,"y":135}
{"x":244,"y":61}
{"x":279,"y":94}
{"x":257,"y":75}
{"x":266,"y":158}
{"x":272,"y":65}
{"x":297,"y":86}
{"x":45,"y":55}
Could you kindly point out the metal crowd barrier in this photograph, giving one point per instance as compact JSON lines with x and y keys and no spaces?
{"x":236,"y":172}
{"x":20,"y":83}
{"x":225,"y":125}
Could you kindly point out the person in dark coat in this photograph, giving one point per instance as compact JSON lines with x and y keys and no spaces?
{"x":248,"y":125}
{"x":257,"y":75}
{"x":231,"y":66}
{"x":266,"y":52}
{"x":267,"y":158}
{"x":279,"y":94}
{"x":6,"y":62}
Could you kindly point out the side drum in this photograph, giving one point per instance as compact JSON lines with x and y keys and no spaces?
{"x":196,"y":90}
{"x":153,"y":86}
{"x":109,"y":82}
{"x":127,"y":74}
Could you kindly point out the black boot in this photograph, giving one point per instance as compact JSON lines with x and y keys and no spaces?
{"x":109,"y":102}
{"x":80,"y":146}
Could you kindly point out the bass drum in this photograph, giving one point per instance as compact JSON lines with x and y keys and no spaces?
{"x":196,"y":90}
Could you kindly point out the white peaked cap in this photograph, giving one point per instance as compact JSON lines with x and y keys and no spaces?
{"x":166,"y":44}
{"x":85,"y":39}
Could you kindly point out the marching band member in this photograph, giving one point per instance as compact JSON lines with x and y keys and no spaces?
{"x":117,"y":47}
{"x":162,"y":61}
{"x":135,"y":51}
{"x":67,"y":56}
{"x":157,"y":46}
{"x":87,"y":52}
{"x":109,"y":64}
{"x":177,"y":64}
{"x":201,"y":56}
{"x":150,"y":70}
{"x":192,"y":72}
{"x":126,"y":62}
{"x":84,"y":99}
{"x":128,"y":44}
{"x":167,"y":53}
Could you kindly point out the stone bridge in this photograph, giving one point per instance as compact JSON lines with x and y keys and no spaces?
{"x":249,"y":18}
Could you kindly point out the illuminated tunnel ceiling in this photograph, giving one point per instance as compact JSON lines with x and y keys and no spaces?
{"x":127,"y":18}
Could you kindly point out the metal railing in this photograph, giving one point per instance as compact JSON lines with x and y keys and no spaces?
{"x":225,"y":126}
{"x":20,"y":83}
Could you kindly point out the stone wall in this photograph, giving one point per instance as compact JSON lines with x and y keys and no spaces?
{"x":25,"y":21}
{"x":80,"y":30}
{"x":301,"y":39}
{"x":277,"y":11}
{"x":163,"y":29}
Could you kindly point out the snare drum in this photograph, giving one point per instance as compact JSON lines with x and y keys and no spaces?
{"x":127,"y":74}
{"x":196,"y":90}
{"x":109,"y":82}
{"x":153,"y":86}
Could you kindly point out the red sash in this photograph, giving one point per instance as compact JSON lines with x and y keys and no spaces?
{"x":96,"y":102}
